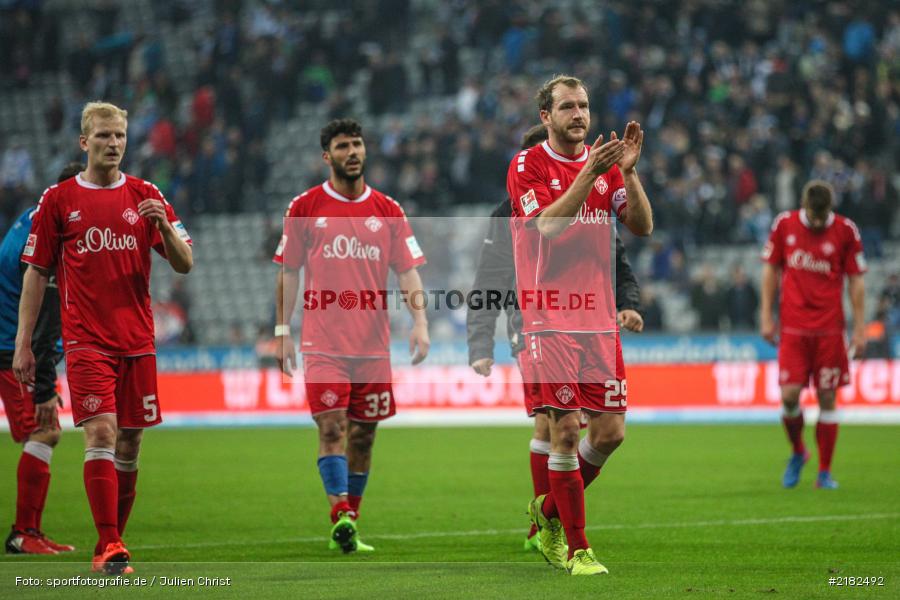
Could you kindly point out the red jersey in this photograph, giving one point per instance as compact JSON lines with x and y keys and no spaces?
{"x":346,"y":246}
{"x":576,"y":266}
{"x":813,"y":266}
{"x":100,"y":248}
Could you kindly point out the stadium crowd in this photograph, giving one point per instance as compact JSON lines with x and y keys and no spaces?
{"x":741,"y":102}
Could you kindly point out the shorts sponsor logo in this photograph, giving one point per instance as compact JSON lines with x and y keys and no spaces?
{"x":329,"y":398}
{"x":373,"y":223}
{"x":130,"y":216}
{"x":565,"y":394}
{"x":30,"y":245}
{"x":91,"y":403}
{"x":529,"y":202}
{"x":601,"y":186}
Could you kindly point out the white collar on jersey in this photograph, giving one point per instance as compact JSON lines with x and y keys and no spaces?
{"x":94,"y":186}
{"x":560,"y":157}
{"x":805,"y":220}
{"x":331,"y":192}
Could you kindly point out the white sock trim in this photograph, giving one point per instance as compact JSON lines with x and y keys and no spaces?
{"x":591,"y":454}
{"x":792,"y":412}
{"x":99,"y":454}
{"x":562,"y":462}
{"x":39,"y":450}
{"x":539,"y":446}
{"x":126,"y":466}
{"x":829,"y":416}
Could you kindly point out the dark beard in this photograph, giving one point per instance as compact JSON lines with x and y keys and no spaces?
{"x":340,"y":173}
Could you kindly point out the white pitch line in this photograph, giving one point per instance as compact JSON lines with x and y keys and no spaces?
{"x":487,"y":532}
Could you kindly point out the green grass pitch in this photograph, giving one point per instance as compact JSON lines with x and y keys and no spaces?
{"x":679,"y":512}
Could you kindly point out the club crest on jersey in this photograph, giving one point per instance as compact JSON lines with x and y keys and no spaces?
{"x":91,"y":403}
{"x":329,"y":398}
{"x":790,"y":240}
{"x":600,"y":185}
{"x":565,"y":394}
{"x":529,"y":202}
{"x":827,"y":248}
{"x":555,"y":185}
{"x":130,"y":216}
{"x":322,"y":222}
{"x":75,"y":215}
{"x":373,"y":223}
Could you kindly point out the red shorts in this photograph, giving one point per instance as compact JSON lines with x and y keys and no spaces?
{"x":529,"y":385}
{"x":572,"y":371}
{"x":19,"y":406}
{"x":820,"y":357}
{"x":361,"y":386}
{"x":125,"y":386}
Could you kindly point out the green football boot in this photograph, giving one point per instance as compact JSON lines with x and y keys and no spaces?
{"x":551,"y":534}
{"x":584,"y":562}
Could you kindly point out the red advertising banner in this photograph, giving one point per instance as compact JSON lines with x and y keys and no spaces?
{"x":248,"y":396}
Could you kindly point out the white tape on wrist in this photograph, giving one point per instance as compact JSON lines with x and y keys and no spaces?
{"x":281,"y":330}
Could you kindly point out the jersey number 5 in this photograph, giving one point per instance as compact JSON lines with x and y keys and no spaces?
{"x":150,"y":407}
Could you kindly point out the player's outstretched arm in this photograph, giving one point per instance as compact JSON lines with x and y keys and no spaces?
{"x":411,"y":286}
{"x":768,"y":287}
{"x":287,"y":284}
{"x":857,"y":290}
{"x":34,"y":284}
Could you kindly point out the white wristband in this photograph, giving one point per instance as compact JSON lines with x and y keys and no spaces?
{"x":281,"y":330}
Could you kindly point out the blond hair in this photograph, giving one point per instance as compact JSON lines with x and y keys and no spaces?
{"x":104,"y":110}
{"x":544,"y":95}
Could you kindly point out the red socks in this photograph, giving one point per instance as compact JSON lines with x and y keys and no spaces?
{"x":127,"y":481}
{"x":826,"y":436}
{"x":33,"y":478}
{"x":568,"y":490}
{"x":539,"y":477}
{"x":354,"y":502}
{"x":102,"y":486}
{"x":342,"y":506}
{"x":793,"y":425}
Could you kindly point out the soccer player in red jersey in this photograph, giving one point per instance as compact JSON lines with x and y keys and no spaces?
{"x":346,"y":236}
{"x":96,"y":230}
{"x":814,"y":249}
{"x":563,"y":195}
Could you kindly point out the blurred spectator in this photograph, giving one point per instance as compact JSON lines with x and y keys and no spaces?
{"x":707,"y":300}
{"x":741,"y":300}
{"x":651,"y":310}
